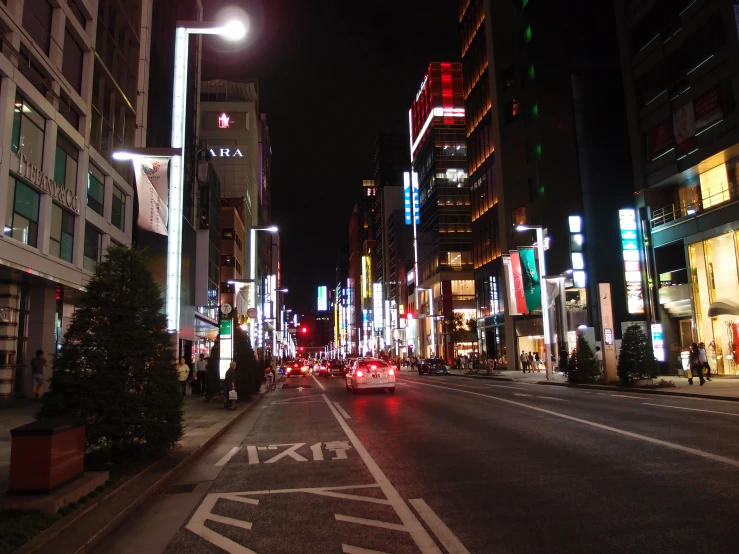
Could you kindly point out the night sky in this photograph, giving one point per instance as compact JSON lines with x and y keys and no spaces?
{"x":332,"y":75}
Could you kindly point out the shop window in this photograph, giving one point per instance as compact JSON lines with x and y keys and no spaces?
{"x":21,"y":219}
{"x":714,"y":186}
{"x":93,"y":248}
{"x":118,"y":209}
{"x":65,"y":162}
{"x":61,"y":240}
{"x":95,"y":189}
{"x":28,"y":132}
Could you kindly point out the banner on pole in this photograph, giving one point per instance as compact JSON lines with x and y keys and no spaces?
{"x":531,"y":281}
{"x":152,"y":185}
{"x":518,"y":282}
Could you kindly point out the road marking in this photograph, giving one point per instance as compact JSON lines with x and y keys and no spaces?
{"x":519,"y":394}
{"x":626,"y":396}
{"x":289,"y":452}
{"x":223,"y":461}
{"x":370,"y":522}
{"x":253,"y":454}
{"x":308,"y":399}
{"x":318,"y":382}
{"x":672,"y":445}
{"x":553,"y":398}
{"x":342,"y":411}
{"x":442,"y":532}
{"x":204,"y":513}
{"x":349,"y":549}
{"x":420,"y":536}
{"x":317,"y":452}
{"x":691,"y":409}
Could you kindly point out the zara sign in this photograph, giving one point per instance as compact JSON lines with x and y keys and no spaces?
{"x":222,"y":152}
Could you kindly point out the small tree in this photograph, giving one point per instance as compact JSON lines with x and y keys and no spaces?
{"x":248,"y":378}
{"x":582,"y":366}
{"x":116,"y":367}
{"x":213,"y":376}
{"x":636,"y":358}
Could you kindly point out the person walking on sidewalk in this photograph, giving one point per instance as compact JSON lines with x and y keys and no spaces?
{"x":695,"y":364}
{"x":704,"y":360}
{"x":201,"y":373}
{"x":37,"y":371}
{"x":229,"y":384}
{"x":183,"y":372}
{"x":524,"y":360}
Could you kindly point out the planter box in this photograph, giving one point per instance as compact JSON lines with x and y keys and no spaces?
{"x":643,"y":382}
{"x":45,"y":455}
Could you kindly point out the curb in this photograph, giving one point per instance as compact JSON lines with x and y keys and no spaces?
{"x":42,"y":540}
{"x":641,"y":391}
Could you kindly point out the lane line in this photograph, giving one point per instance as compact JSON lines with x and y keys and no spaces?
{"x":414,"y":527}
{"x":690,"y":409}
{"x":520,"y":394}
{"x":626,"y":396}
{"x":553,"y":398}
{"x":349,"y":549}
{"x":342,"y":411}
{"x":442,"y":532}
{"x":318,"y":382}
{"x":674,"y":446}
{"x":223,"y":461}
{"x":371,"y":522}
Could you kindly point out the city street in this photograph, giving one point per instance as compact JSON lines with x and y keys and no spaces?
{"x":454,"y":465}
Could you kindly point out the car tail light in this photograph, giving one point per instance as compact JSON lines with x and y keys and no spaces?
{"x":359,"y":373}
{"x":391,"y":372}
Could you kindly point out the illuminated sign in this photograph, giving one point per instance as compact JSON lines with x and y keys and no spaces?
{"x":608,"y":336}
{"x":410,"y":277}
{"x":423,"y":87}
{"x":366,"y":277}
{"x":322,"y":298}
{"x":377,"y":305}
{"x":47,"y":184}
{"x":658,"y":342}
{"x":632,"y":261}
{"x":223,"y":152}
{"x":224,"y":122}
{"x":411,"y":205}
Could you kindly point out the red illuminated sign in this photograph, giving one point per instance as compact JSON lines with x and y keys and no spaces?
{"x":224,"y":122}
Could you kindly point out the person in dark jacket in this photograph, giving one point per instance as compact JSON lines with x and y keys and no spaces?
{"x":696,"y":367}
{"x":229,"y":384}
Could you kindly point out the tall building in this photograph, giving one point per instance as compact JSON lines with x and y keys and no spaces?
{"x":70,"y":93}
{"x":439,"y":158}
{"x":679,"y":61}
{"x":543,"y":83}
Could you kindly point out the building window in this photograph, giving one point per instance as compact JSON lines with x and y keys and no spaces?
{"x":65,"y":162}
{"x":61,"y":240}
{"x":37,"y":21}
{"x":714,"y":186}
{"x":93,"y":247}
{"x":72,"y":60}
{"x":21,"y":219}
{"x":535,"y":111}
{"x":531,"y":72}
{"x":118,"y":209}
{"x":508,"y":77}
{"x":228,"y":261}
{"x":28,"y":132}
{"x":527,"y":34}
{"x":518,"y":216}
{"x":95,"y":189}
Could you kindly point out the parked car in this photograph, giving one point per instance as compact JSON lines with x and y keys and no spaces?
{"x":370,"y":373}
{"x":433,"y":366}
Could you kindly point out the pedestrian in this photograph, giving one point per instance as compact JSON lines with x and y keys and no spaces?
{"x":524,"y":360}
{"x":563,"y":361}
{"x":183,"y":372}
{"x":599,"y":358}
{"x":229,"y":384}
{"x":37,"y":371}
{"x":537,"y":361}
{"x":704,"y":360}
{"x":696,"y":367}
{"x":201,"y":374}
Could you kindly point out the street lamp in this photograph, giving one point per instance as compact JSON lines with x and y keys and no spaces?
{"x":253,"y":269}
{"x":230,"y":30}
{"x":543,"y":289}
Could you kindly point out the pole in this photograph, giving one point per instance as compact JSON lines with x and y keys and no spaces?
{"x":414,"y":188}
{"x":253,"y":277}
{"x":433,"y":323}
{"x":544,"y":303}
{"x":563,"y":314}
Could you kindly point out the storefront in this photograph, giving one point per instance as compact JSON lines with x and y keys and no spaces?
{"x":715,"y":276}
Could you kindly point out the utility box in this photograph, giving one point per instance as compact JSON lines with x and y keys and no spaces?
{"x":45,"y":455}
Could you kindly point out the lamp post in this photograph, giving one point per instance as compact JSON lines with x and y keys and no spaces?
{"x":231,"y":30}
{"x":543,"y":289}
{"x":431,"y":317}
{"x":277,"y":319}
{"x":253,"y":270}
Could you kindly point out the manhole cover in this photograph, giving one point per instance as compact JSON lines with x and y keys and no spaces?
{"x":183,"y":488}
{"x":286,"y":386}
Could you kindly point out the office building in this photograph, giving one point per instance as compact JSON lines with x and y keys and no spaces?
{"x":679,"y":61}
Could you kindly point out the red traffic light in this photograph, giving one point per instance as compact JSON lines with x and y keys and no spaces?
{"x":301,"y":349}
{"x":304,"y":330}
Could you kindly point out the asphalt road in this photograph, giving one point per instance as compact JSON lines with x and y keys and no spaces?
{"x":453,"y":465}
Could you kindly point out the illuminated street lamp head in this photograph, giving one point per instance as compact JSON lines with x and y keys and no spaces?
{"x":233,"y":30}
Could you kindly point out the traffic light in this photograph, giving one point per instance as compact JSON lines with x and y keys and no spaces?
{"x":301,"y":349}
{"x":304,"y":330}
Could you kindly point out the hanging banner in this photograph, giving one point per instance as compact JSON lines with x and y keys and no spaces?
{"x":153,"y":188}
{"x":683,"y":124}
{"x":518,"y":283}
{"x":510,"y":286}
{"x":531,"y":283}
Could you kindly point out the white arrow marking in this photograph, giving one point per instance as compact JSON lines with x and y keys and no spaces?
{"x":300,"y":389}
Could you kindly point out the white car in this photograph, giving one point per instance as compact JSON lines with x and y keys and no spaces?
{"x":368,"y":373}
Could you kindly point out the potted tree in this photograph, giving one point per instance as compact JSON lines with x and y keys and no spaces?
{"x":636,"y":363}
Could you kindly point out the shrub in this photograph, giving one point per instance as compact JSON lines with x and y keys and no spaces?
{"x":582,"y":366}
{"x":636,"y":359}
{"x":213,"y":376}
{"x":115,"y":370}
